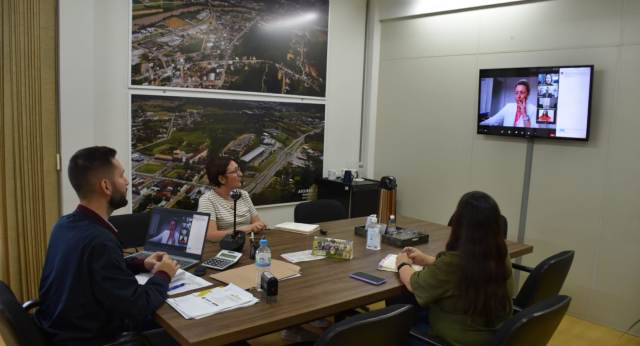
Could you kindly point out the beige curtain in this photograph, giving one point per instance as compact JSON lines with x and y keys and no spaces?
{"x":28,"y":140}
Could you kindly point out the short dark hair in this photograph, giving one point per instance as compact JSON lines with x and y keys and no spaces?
{"x":85,"y":163}
{"x":525,"y":83}
{"x":217,"y":166}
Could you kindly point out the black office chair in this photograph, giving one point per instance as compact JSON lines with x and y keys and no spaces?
{"x":534,"y":326}
{"x":544,"y":281}
{"x":504,"y":225}
{"x":17,"y":327}
{"x":385,"y":327}
{"x":132,"y":228}
{"x":319,"y":211}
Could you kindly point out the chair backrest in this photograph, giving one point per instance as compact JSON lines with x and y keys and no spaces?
{"x":389,"y":326}
{"x":533,"y":326}
{"x":17,"y":327}
{"x":319,"y":211}
{"x":132,"y":228}
{"x":545,"y":280}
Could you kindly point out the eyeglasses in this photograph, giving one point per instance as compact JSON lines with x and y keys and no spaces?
{"x":236,"y":171}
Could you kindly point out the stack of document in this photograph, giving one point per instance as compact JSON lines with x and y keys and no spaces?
{"x":212,"y":301}
{"x":183,"y":281}
{"x":389,"y":264}
{"x":297,"y":227}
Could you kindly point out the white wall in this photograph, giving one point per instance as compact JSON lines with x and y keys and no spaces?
{"x":583,"y":196}
{"x":94,"y":93}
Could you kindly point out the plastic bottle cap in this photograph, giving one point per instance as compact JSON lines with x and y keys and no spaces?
{"x":263,"y":242}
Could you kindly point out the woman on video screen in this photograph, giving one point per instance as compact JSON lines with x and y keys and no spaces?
{"x":515,"y":114}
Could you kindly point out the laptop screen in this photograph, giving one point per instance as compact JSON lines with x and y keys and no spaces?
{"x":178,"y":232}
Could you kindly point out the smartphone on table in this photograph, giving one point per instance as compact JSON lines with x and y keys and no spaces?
{"x":368,"y":278}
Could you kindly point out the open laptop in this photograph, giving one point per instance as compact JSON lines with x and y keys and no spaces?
{"x":180,"y":233}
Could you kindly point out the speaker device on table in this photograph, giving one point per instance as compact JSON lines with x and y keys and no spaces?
{"x":234,"y":241}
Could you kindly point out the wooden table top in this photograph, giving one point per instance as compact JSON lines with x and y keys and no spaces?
{"x":324,"y":288}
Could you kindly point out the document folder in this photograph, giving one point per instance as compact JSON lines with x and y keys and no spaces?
{"x":246,"y":277}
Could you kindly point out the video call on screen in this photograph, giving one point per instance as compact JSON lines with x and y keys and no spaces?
{"x":557,"y":104}
{"x":184,"y":233}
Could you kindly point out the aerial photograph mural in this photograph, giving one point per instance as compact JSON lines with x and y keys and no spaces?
{"x":268,"y":46}
{"x":278,"y":145}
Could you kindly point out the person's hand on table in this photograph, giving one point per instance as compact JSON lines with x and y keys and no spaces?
{"x":155,"y":257}
{"x":403,"y":258}
{"x":258,"y":227}
{"x":255,"y":227}
{"x":167,"y":265}
{"x":418,"y":257}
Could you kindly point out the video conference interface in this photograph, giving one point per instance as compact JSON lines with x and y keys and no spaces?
{"x":177,"y":232}
{"x":541,"y":102}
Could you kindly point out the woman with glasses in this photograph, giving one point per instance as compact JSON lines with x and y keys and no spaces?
{"x":225,"y":175}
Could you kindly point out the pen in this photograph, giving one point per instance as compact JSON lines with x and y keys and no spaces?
{"x":176,"y":286}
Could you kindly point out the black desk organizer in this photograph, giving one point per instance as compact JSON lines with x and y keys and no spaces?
{"x":400,"y":239}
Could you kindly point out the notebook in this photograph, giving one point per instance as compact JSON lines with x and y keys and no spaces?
{"x":388,"y":263}
{"x":180,"y":233}
{"x":297,"y":227}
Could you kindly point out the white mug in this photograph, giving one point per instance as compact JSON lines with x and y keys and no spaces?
{"x":332,"y":174}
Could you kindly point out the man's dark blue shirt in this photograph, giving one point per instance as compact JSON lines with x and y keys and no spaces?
{"x":88,"y":291}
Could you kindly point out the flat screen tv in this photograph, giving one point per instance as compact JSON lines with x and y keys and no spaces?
{"x":543,"y":102}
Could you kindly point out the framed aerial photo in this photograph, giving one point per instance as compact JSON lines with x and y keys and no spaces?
{"x":278,"y":145}
{"x":257,"y":46}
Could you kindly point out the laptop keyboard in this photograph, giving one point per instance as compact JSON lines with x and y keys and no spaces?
{"x":182,"y":263}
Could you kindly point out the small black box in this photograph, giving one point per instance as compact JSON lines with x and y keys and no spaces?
{"x":269,"y":284}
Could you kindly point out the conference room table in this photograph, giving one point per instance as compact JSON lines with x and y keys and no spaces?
{"x":324,"y":289}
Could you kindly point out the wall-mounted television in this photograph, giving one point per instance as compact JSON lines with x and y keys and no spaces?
{"x":543,"y":102}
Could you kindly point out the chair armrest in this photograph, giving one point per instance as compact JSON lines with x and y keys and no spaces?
{"x":363,"y":309}
{"x":521,"y":267}
{"x":516,"y":309}
{"x":430,"y":340}
{"x":30,"y":305}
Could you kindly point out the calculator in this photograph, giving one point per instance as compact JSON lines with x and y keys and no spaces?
{"x":223,"y":260}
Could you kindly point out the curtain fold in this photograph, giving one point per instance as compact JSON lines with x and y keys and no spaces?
{"x":29,"y":202}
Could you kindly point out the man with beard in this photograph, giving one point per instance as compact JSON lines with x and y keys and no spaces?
{"x":88,"y":292}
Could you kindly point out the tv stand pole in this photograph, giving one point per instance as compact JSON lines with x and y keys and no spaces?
{"x":524,"y":202}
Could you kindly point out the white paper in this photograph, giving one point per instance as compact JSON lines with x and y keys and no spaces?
{"x":191,"y":282}
{"x":212,"y":301}
{"x":300,"y":256}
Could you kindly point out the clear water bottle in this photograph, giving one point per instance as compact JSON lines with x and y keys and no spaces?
{"x":263,"y":261}
{"x":373,"y":235}
{"x":391,"y":226}
{"x":370,"y":219}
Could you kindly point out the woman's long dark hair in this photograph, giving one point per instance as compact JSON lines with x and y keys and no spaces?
{"x":476,"y":235}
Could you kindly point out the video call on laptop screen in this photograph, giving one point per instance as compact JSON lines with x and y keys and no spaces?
{"x":177,"y":231}
{"x":546,"y":102}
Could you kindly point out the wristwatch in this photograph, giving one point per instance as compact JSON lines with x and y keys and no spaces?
{"x":402,"y":265}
